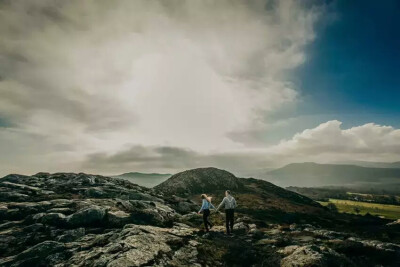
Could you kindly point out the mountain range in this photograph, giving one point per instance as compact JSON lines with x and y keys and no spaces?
{"x":359,"y":174}
{"x":370,"y":164}
{"x":311,"y":174}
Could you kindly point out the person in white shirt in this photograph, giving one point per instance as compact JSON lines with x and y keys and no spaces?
{"x":229,"y":204}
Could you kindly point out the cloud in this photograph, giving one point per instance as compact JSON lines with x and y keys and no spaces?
{"x":324,"y":143}
{"x":329,"y":142}
{"x":171,"y":159}
{"x":98,"y":76}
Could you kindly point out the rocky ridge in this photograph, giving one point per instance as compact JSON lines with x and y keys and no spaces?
{"x":67,"y":219}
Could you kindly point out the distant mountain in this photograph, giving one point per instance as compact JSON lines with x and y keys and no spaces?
{"x":311,"y":174}
{"x":395,"y":164}
{"x":144,"y":179}
{"x":371,"y":164}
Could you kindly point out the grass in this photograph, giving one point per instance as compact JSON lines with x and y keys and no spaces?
{"x":349,"y":206}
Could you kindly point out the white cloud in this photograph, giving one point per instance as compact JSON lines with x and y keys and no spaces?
{"x":328,"y":142}
{"x":94,"y":76}
{"x":173,"y":159}
{"x":324,"y":143}
{"x":160,"y":85}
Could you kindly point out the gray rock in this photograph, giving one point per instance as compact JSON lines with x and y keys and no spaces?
{"x":12,"y":196}
{"x":95,"y":192}
{"x":87,"y":217}
{"x":293,"y":227}
{"x":148,"y":212}
{"x":255,"y":233}
{"x":396,"y":222}
{"x":140,"y":246}
{"x":314,"y":256}
{"x":266,"y":241}
{"x":184,"y":207}
{"x":252,"y":226}
{"x":240,"y":228}
{"x":326,"y":234}
{"x":288,"y":250}
{"x":56,"y":219}
{"x":378,"y":245}
{"x":38,"y":253}
{"x":65,"y":211}
{"x":71,"y":235}
{"x":118,"y":218}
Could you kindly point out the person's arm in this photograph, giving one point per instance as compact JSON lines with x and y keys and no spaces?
{"x":234,"y":203}
{"x":220,"y":205}
{"x":212,"y":206}
{"x":202,"y":205}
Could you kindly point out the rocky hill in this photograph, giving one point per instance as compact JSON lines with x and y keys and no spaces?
{"x":68,"y":219}
{"x":199,"y":181}
{"x":254,"y":196}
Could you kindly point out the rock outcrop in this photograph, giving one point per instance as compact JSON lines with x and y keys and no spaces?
{"x":199,"y":181}
{"x":67,"y":219}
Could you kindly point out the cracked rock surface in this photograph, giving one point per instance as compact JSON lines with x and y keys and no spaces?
{"x":68,"y":219}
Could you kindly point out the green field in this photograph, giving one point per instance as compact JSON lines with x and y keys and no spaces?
{"x":349,"y":206}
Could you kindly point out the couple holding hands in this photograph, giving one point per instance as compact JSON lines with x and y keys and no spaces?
{"x":229,"y":204}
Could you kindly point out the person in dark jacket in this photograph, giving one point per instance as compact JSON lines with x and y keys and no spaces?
{"x":205,"y":208}
{"x":229,"y":204}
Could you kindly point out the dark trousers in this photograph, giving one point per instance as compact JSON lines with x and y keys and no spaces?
{"x":207,"y":224}
{"x":229,"y":215}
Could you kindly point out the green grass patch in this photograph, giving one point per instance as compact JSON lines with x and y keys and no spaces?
{"x":362,"y":208}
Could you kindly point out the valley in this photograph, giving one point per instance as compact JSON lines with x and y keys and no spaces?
{"x":363,"y":208}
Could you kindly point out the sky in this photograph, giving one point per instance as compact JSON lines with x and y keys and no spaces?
{"x":163,"y":86}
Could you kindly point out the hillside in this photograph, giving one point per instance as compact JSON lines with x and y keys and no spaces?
{"x":254,"y":196}
{"x":199,"y":181}
{"x":144,"y":179}
{"x":69,"y":219}
{"x":312,"y":175}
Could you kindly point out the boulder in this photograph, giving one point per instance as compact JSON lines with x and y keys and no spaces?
{"x":56,"y":219}
{"x":396,"y":222}
{"x":241,"y":228}
{"x":326,"y":234}
{"x":266,"y":241}
{"x":185,"y":207}
{"x":36,"y":255}
{"x":13,"y":196}
{"x":255,"y":233}
{"x":288,"y":250}
{"x":148,"y":212}
{"x":118,"y":218}
{"x":293,"y":227}
{"x":71,"y":235}
{"x":137,"y":245}
{"x":314,"y":256}
{"x":95,"y":192}
{"x":87,"y":217}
